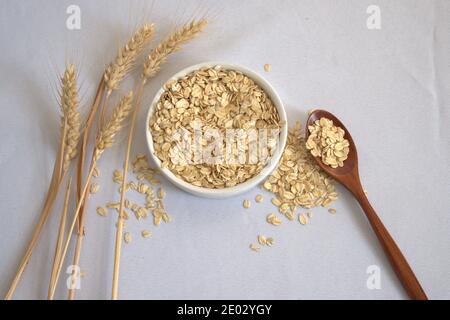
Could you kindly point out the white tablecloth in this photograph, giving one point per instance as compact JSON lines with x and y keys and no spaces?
{"x":390,"y":86}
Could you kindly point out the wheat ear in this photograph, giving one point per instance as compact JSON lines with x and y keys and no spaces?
{"x":124,"y":62}
{"x":126,"y":57}
{"x":68,"y":102}
{"x":69,"y":106}
{"x":172,"y":43}
{"x":105,"y":139}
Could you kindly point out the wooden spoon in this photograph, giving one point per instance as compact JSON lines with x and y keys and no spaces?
{"x":348,"y":175}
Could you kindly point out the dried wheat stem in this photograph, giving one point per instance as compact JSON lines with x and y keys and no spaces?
{"x":61,"y":231}
{"x":68,"y":104}
{"x":119,"y":231}
{"x":50,"y":199}
{"x":62,"y":148}
{"x":86,"y":131}
{"x":104,"y":140}
{"x":172,"y":43}
{"x":77,"y":252}
{"x":34,"y":238}
{"x":80,"y":167}
{"x":60,"y":262}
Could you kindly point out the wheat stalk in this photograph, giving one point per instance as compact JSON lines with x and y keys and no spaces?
{"x":111,"y":80}
{"x":151,"y":67}
{"x":171,"y":44}
{"x":69,"y":128}
{"x":80,"y":167}
{"x":126,"y":57}
{"x":104,"y":140}
{"x":61,"y":231}
{"x":119,"y":230}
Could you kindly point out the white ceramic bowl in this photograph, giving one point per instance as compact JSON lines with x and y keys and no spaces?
{"x":247,"y":185}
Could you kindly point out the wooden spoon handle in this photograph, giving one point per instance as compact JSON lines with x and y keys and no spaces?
{"x":398,"y":261}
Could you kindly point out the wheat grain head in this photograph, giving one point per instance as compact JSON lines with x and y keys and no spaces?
{"x":172,"y":43}
{"x":105,"y":138}
{"x":71,"y":116}
{"x":126,"y":57}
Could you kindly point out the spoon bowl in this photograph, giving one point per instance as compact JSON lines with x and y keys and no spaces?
{"x":348,"y":176}
{"x":352,"y":161}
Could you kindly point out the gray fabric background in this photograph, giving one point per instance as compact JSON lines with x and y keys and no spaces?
{"x":391,"y":87}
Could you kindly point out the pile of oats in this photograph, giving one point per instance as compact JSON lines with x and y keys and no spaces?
{"x":215,"y":98}
{"x":298,"y":181}
{"x":327,"y":141}
{"x":153,"y":199}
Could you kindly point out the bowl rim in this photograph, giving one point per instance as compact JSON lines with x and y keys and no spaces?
{"x":242,"y":187}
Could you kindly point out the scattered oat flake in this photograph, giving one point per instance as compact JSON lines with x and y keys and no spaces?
{"x":113,"y":205}
{"x":166,"y":217}
{"x":267,"y":67}
{"x":146,"y":234}
{"x":246,"y":204}
{"x":276,"y":202}
{"x":127,"y":237}
{"x":269,"y":242}
{"x":262,"y":240}
{"x":273,"y":219}
{"x":267,"y":185}
{"x":332,"y":210}
{"x":102,"y":211}
{"x":157,"y":219}
{"x":259,"y":198}
{"x":117,"y":176}
{"x":254,"y":247}
{"x":143,"y":188}
{"x":161,"y":193}
{"x":155,"y":181}
{"x":95,"y":187}
{"x":302,"y":219}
